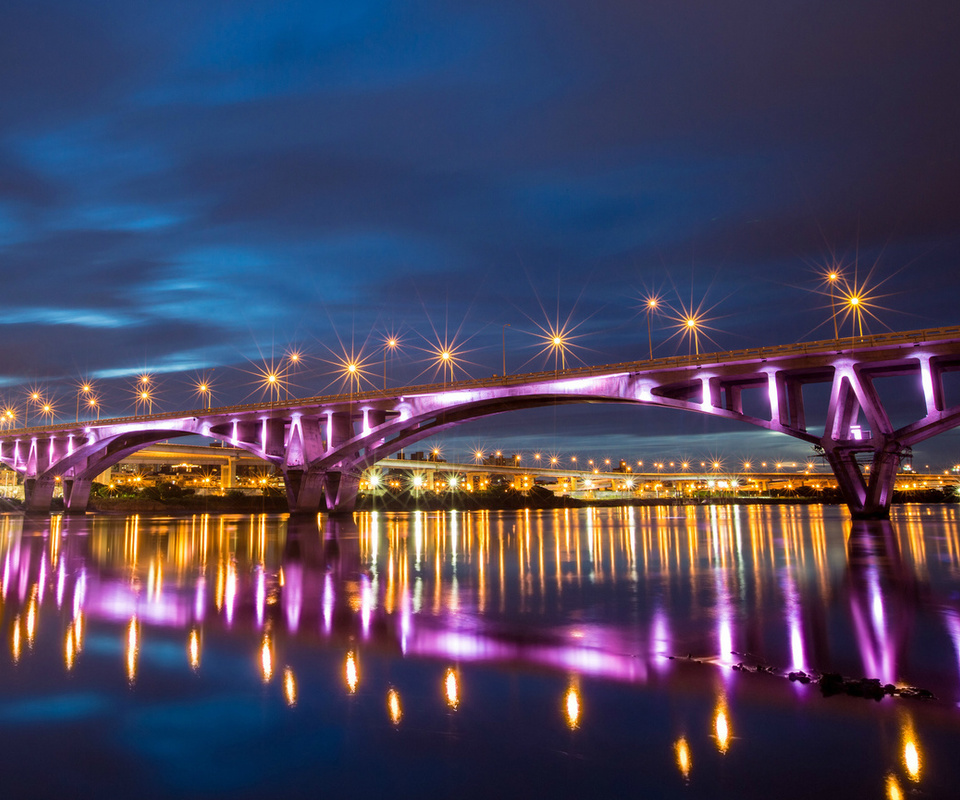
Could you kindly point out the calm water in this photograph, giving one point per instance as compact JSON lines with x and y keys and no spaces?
{"x":480,"y":654}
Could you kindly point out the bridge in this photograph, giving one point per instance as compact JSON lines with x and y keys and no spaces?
{"x":322,"y":445}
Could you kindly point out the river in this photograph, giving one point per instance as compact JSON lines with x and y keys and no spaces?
{"x":607,"y":652}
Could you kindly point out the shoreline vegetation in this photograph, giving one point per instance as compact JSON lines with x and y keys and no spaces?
{"x":176,"y":500}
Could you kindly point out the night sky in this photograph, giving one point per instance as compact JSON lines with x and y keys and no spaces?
{"x":200,"y":185}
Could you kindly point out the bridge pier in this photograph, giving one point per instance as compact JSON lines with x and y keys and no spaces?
{"x":310,"y":491}
{"x":866,"y":497}
{"x":37,"y":495}
{"x":76,"y":495}
{"x":341,"y":492}
{"x":305,"y":490}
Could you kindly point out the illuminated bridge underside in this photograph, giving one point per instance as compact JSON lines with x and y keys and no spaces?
{"x":323,"y":444}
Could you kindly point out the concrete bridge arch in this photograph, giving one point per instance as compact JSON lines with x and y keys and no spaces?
{"x":323,"y":444}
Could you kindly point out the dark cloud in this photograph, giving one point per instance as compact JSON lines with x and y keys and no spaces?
{"x":205,"y":180}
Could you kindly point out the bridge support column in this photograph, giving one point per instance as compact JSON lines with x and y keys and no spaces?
{"x":341,"y":492}
{"x":305,"y":490}
{"x":37,"y":494}
{"x":228,"y":473}
{"x":867,"y":498}
{"x":76,"y":494}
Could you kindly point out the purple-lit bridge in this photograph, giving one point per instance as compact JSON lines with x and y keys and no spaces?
{"x":323,"y":444}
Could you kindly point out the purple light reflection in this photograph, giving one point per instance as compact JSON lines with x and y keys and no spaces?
{"x":543,"y":591}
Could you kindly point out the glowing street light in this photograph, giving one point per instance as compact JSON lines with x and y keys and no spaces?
{"x":36,"y":398}
{"x":652,"y":305}
{"x":144,"y":401}
{"x":294,"y":361}
{"x":832,"y":277}
{"x":853,"y":302}
{"x":693,"y":329}
{"x":203,"y":388}
{"x":691,"y":324}
{"x":48,"y":411}
{"x":390,"y":345}
{"x":270,"y":378}
{"x":556,"y":340}
{"x":144,"y":394}
{"x":859,"y":302}
{"x":83,"y":388}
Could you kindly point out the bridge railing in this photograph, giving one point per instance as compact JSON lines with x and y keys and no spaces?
{"x":841,"y":345}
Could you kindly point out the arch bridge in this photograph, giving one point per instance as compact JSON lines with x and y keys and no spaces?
{"x":323,"y":444}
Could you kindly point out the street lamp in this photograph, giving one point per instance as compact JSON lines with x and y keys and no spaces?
{"x":854,"y":303}
{"x":391,"y":343}
{"x":47,"y":411}
{"x":446,"y":355}
{"x":37,"y":399}
{"x":294,"y":360}
{"x":94,"y":403}
{"x":203,"y":388}
{"x":351,"y":372}
{"x":145,"y":400}
{"x":84,"y":388}
{"x":832,"y":277}
{"x":653,"y":303}
{"x":692,"y":324}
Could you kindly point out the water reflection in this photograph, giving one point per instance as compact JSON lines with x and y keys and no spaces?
{"x":289,"y":687}
{"x":715,"y":584}
{"x":576,"y":601}
{"x":451,"y":688}
{"x":684,"y":759}
{"x":266,"y":659}
{"x":721,"y":726}
{"x":350,"y":672}
{"x":393,"y":706}
{"x":572,"y":706}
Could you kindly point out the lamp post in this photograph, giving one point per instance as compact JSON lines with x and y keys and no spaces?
{"x":143,"y":394}
{"x":294,"y":360}
{"x":853,"y":302}
{"x":832,"y":277}
{"x":692,"y":325}
{"x":35,"y":398}
{"x":446,"y":358}
{"x":652,"y":304}
{"x":145,"y":399}
{"x":391,"y":343}
{"x":85,"y":388}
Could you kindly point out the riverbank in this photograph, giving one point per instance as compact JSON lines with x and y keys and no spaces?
{"x":277,"y":504}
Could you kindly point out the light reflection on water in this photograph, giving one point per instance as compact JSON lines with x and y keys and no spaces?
{"x":641,"y":605}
